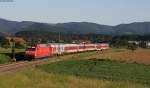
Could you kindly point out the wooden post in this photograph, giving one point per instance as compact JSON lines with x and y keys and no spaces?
{"x":12,"y":44}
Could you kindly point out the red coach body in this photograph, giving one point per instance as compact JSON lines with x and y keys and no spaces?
{"x":102,"y":46}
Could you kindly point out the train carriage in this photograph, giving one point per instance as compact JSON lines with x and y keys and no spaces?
{"x":90,"y":47}
{"x":102,"y":46}
{"x":71,"y":48}
{"x":57,"y":48}
{"x":81,"y":47}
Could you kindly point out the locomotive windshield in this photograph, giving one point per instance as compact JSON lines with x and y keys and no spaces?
{"x":31,"y":48}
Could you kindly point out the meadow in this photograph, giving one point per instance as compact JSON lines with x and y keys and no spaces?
{"x":113,"y":68}
{"x":100,"y":69}
{"x":35,"y":78}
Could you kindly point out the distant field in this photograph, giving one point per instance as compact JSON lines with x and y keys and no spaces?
{"x":141,"y":56}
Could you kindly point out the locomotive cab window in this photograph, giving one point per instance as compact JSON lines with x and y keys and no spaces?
{"x":31,"y":48}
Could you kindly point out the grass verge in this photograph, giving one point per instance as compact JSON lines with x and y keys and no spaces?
{"x":4,"y":58}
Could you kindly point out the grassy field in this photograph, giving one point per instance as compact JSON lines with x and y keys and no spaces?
{"x":141,"y":56}
{"x":100,"y":69}
{"x":114,"y":68}
{"x":35,"y":78}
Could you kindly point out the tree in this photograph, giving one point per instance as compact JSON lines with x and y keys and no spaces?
{"x":132,"y":46}
{"x":143,"y":44}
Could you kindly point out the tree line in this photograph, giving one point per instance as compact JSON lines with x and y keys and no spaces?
{"x":54,"y":37}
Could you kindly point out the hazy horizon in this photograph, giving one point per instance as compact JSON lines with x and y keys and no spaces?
{"x":107,"y":12}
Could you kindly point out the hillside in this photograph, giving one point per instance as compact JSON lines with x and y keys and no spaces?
{"x":86,"y":27}
{"x":73,"y":27}
{"x":139,"y":28}
{"x":12,"y":27}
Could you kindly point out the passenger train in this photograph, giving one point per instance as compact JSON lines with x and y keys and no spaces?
{"x":52,"y":49}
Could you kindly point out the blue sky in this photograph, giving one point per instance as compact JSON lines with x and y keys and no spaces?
{"x":109,"y":12}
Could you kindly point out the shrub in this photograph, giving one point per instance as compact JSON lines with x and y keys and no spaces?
{"x":4,"y":58}
{"x":19,"y":46}
{"x":132,"y":47}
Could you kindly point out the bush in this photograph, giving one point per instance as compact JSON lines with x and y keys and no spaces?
{"x":19,"y":46}
{"x":4,"y":58}
{"x":132,"y":46}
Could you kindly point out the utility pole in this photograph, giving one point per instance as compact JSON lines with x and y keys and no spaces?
{"x":59,"y":37}
{"x":12,"y":44}
{"x":59,"y":51}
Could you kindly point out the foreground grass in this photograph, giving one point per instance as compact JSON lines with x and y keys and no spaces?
{"x":100,"y":69}
{"x":34,"y":78}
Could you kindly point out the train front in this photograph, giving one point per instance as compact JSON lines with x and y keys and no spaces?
{"x":30,"y":52}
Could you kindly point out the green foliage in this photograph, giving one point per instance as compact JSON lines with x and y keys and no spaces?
{"x":100,"y":69}
{"x":45,"y":36}
{"x":132,"y":46}
{"x":122,"y":41}
{"x":19,"y":46}
{"x":143,"y":45}
{"x":4,"y":58}
{"x":4,"y":43}
{"x":6,"y":46}
{"x":119,"y":43}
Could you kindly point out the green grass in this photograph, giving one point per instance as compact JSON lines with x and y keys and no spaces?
{"x":70,"y":72}
{"x":100,"y":69}
{"x":4,"y":58}
{"x":35,"y":78}
{"x":8,"y":50}
{"x":6,"y":54}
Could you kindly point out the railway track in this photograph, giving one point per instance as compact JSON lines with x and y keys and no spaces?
{"x":9,"y":67}
{"x":18,"y":65}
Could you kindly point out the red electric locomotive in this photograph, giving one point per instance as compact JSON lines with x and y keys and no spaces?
{"x":38,"y":51}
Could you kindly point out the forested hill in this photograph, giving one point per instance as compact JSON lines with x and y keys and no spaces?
{"x":139,"y":28}
{"x":86,"y":27}
{"x":12,"y":27}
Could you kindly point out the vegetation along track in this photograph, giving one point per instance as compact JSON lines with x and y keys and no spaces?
{"x":22,"y":64}
{"x":17,"y":65}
